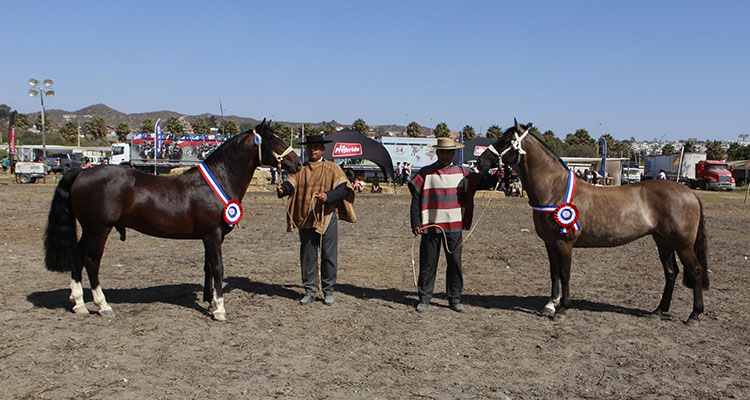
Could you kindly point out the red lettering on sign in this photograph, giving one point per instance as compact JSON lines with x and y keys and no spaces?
{"x":347,"y":149}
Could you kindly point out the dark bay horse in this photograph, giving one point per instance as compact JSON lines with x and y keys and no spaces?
{"x":177,"y":207}
{"x":591,"y":216}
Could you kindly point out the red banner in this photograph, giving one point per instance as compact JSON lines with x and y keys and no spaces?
{"x":347,"y":149}
{"x":12,"y":134}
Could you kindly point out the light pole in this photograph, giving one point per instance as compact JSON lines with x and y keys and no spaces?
{"x":41,"y":90}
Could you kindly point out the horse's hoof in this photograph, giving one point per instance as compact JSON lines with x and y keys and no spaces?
{"x":219,"y":316}
{"x":692,"y":321}
{"x":656,"y":314}
{"x":558,"y":317}
{"x":80,"y":309}
{"x":107,"y":314}
{"x":548,"y":311}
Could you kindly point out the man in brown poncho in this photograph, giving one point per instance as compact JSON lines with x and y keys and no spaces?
{"x":320,"y":196}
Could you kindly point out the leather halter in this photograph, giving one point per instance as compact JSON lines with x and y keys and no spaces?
{"x":515,"y":144}
{"x":279,"y":157}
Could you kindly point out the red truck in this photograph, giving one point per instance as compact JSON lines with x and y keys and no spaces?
{"x":712,"y":175}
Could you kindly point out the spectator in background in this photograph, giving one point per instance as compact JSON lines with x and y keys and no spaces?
{"x":662,"y":175}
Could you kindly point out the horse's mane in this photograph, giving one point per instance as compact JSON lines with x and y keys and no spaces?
{"x":544,"y":145}
{"x":228,"y":152}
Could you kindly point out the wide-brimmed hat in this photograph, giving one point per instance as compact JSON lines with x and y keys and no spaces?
{"x":313,"y":139}
{"x":446,"y":143}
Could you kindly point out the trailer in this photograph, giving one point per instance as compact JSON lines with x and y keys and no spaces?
{"x":670,"y":163}
{"x":29,"y":172}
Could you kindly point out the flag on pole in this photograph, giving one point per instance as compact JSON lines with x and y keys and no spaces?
{"x":157,"y":139}
{"x":461,"y":150}
{"x":603,"y":169}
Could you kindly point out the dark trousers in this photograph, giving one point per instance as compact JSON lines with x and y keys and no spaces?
{"x":429,"y":253}
{"x":308,"y":256}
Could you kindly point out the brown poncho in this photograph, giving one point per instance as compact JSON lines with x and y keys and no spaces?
{"x":318,"y":177}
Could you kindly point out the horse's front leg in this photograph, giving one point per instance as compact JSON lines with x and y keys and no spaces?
{"x":76,"y":275}
{"x":560,"y":254}
{"x":215,"y":274}
{"x":554,"y":272}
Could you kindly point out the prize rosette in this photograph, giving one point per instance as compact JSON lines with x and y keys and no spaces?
{"x":232,"y":212}
{"x":566,"y":215}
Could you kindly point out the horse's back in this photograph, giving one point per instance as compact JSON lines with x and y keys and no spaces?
{"x":611,"y":216}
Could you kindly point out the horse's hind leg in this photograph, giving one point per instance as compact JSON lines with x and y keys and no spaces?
{"x":669,"y":262}
{"x":693,"y":278}
{"x":76,"y":275}
{"x":92,"y":260}
{"x":554,"y":272}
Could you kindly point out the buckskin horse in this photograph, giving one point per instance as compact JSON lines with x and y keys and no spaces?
{"x":572,"y":213}
{"x":202,"y":203}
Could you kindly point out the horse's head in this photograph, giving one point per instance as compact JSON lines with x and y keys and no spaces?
{"x":506,"y":150}
{"x":273,"y":150}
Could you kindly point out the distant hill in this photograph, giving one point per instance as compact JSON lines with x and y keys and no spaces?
{"x":113,"y":118}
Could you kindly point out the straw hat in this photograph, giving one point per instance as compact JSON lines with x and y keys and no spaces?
{"x":446,"y":143}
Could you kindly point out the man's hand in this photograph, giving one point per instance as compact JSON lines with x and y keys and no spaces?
{"x":279,"y":189}
{"x":416,"y":230}
{"x":321,"y":197}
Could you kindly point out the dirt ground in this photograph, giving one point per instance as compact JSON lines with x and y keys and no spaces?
{"x":371,"y":343}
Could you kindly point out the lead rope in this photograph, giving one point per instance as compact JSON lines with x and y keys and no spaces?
{"x":445,"y":238}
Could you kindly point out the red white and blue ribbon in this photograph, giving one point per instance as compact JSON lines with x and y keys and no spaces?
{"x":232,"y":208}
{"x":565,"y":214}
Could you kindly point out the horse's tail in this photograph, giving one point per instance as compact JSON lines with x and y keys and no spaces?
{"x":701,"y":249}
{"x":60,"y":239}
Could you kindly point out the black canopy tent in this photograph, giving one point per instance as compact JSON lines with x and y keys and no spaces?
{"x":356,"y":146}
{"x":474,"y":148}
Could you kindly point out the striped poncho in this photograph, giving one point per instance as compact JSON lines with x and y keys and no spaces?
{"x":443,"y":196}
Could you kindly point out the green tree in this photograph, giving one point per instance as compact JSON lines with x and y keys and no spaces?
{"x":147,"y":126}
{"x":413,"y":130}
{"x":668,"y":149}
{"x":738,"y":152}
{"x":329,"y":129}
{"x":689,"y":146}
{"x":581,"y":137}
{"x":244,"y":127}
{"x":5,"y":111}
{"x":714,"y":150}
{"x":468,"y":132}
{"x":47,"y":125}
{"x":122,"y":130}
{"x":494,"y":132}
{"x":610,"y":144}
{"x":96,"y":128}
{"x":441,"y":130}
{"x":22,"y":122}
{"x":231,"y":128}
{"x":174,"y":126}
{"x":69,"y":132}
{"x":200,"y":127}
{"x":555,"y":144}
{"x":282,"y":130}
{"x":360,"y":126}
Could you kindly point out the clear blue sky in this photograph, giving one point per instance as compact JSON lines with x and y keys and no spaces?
{"x":646,"y":69}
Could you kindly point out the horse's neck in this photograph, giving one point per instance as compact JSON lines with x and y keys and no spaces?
{"x":235,"y":180}
{"x":544,"y":178}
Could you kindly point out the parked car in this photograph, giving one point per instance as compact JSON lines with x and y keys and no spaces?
{"x":61,"y":162}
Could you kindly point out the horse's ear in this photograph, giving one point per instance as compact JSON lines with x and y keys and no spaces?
{"x":529,"y":125}
{"x":263,"y":123}
{"x":518,"y":126}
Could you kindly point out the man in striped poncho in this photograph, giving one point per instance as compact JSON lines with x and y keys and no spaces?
{"x":443,"y":203}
